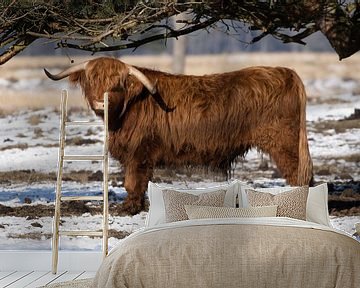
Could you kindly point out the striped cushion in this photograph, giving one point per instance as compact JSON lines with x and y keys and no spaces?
{"x":201,"y":212}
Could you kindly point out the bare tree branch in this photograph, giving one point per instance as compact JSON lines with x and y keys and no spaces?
{"x":91,"y":24}
{"x":15,"y":49}
{"x":138,"y":43}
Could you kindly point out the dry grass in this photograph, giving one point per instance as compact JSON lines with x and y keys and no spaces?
{"x":35,"y":120}
{"x":338,"y":126}
{"x":22,"y":146}
{"x":308,"y":65}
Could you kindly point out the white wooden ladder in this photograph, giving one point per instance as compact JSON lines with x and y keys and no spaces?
{"x":103,"y":232}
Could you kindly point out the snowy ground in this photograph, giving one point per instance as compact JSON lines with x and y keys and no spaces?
{"x":36,"y":233}
{"x":29,"y":141}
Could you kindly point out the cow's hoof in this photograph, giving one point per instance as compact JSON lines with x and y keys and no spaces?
{"x":133,"y":207}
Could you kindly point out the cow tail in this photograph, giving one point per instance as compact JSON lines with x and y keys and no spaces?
{"x":305,"y":166}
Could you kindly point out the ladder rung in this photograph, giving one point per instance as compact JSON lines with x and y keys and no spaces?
{"x":84,"y":123}
{"x":86,"y":198}
{"x":81,"y":233}
{"x":83,"y":157}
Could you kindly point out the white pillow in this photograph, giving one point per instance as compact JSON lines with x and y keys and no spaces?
{"x":316,"y":206}
{"x":202,"y":212}
{"x":156,"y":213}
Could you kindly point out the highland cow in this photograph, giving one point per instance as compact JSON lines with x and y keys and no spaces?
{"x":159,"y":119}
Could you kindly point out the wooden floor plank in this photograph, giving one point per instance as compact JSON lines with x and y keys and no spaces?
{"x":68,"y":276}
{"x":12,"y":278}
{"x":28,"y":279}
{"x":44,"y":280}
{"x":4,"y":274}
{"x":87,"y":275}
{"x":34,"y":279}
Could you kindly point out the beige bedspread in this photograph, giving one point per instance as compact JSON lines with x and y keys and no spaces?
{"x":233,"y":254}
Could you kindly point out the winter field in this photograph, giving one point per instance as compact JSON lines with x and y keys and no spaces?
{"x":29,"y":133}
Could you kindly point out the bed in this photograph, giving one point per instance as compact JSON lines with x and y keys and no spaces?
{"x":235,"y":244}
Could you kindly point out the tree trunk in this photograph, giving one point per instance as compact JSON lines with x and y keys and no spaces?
{"x":179,"y":49}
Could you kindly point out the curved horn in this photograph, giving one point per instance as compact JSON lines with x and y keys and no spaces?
{"x":67,"y":72}
{"x":142,"y":78}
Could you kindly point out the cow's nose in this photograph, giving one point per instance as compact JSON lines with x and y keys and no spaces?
{"x":98,"y":105}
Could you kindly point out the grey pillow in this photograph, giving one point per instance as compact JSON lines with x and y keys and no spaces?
{"x":175,"y":201}
{"x":290,"y":204}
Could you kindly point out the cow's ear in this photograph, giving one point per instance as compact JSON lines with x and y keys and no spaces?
{"x":77,"y":78}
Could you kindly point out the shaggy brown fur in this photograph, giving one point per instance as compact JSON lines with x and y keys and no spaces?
{"x":216,"y":118}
